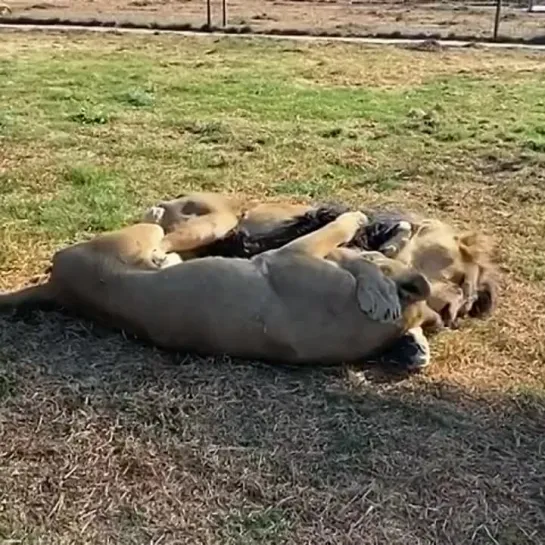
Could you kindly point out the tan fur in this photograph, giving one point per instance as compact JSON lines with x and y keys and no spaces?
{"x":5,"y":9}
{"x":197,"y":219}
{"x":265,"y":216}
{"x":457,"y":265}
{"x":290,"y":304}
{"x":414,"y":315}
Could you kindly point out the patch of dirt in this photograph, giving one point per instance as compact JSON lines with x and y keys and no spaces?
{"x":364,"y":17}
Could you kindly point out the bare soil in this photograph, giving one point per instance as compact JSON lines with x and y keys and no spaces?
{"x":359,"y":17}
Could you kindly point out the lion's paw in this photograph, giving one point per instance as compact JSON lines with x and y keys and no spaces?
{"x":381,"y":302}
{"x":154,"y":215}
{"x":389,"y":250}
{"x":171,"y":259}
{"x":392,"y":247}
{"x":352,"y":221}
{"x":162,"y":260}
{"x":404,"y":227}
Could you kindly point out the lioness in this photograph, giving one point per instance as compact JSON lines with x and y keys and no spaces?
{"x":457,"y":265}
{"x":308,"y":301}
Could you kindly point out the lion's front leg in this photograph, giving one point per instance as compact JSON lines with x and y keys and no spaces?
{"x":377,"y":295}
{"x":323,"y":241}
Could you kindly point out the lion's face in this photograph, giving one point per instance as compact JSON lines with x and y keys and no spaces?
{"x":461,"y":260}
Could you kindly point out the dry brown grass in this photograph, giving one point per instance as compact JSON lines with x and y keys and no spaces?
{"x":462,"y":19}
{"x":104,"y":440}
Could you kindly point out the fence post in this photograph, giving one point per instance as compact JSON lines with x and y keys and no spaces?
{"x":224,"y":12}
{"x":208,"y":15}
{"x":497,"y":20}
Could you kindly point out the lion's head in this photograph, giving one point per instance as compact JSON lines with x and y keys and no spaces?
{"x":462,"y":260}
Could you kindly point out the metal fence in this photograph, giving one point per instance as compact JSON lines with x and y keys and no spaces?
{"x":435,"y":19}
{"x":458,"y":19}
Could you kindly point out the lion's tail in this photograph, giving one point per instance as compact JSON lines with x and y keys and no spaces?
{"x":32,"y":296}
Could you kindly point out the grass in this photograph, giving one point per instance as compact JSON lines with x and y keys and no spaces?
{"x":103,"y":440}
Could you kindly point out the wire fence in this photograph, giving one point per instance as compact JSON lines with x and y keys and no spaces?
{"x":458,"y":19}
{"x":454,"y":19}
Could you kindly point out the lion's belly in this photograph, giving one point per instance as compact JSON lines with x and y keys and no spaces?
{"x":222,"y":309}
{"x":320,"y":317}
{"x":329,"y":335}
{"x":210,"y":309}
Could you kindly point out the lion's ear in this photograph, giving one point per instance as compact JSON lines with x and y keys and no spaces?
{"x":468,"y":238}
{"x":412,"y":287}
{"x":426,"y":226}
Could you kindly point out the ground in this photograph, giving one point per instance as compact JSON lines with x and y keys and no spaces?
{"x":104,"y":440}
{"x":454,"y":18}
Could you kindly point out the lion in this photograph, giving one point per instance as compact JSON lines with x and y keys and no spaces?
{"x":309,"y":301}
{"x":458,"y":265}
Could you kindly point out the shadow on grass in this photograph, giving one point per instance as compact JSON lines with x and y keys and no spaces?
{"x":136,"y":444}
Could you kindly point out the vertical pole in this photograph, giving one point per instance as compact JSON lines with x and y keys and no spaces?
{"x":224,"y":13}
{"x":208,"y":15}
{"x":497,"y":19}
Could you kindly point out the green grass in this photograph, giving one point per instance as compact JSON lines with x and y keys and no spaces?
{"x":90,"y":199}
{"x":240,"y":119}
{"x":105,"y":440}
{"x":253,"y":528}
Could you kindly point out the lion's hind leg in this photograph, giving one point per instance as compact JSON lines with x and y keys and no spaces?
{"x":199,"y":231}
{"x":40,"y":295}
{"x":193,"y":221}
